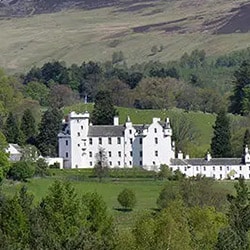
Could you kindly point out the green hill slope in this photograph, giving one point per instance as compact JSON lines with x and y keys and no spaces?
{"x":133,"y":27}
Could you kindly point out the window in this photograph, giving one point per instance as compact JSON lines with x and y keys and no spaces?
{"x":90,"y":141}
{"x":140,"y":140}
{"x":213,"y":168}
{"x":66,"y":142}
{"x":155,"y":130}
{"x":131,"y":153}
{"x":156,"y":153}
{"x":78,"y":145}
{"x":140,"y":153}
{"x":110,"y":163}
{"x":185,"y":168}
{"x":240,"y":168}
{"x":100,"y":140}
{"x":118,"y":140}
{"x":220,"y":168}
{"x":78,"y":121}
{"x":110,"y":140}
{"x":119,"y":163}
{"x":227,"y":168}
{"x":67,"y":154}
{"x":130,"y":131}
{"x":78,"y":134}
{"x":76,"y":166}
{"x":90,"y":154}
{"x":131,"y":140}
{"x":204,"y":168}
{"x":90,"y":163}
{"x":153,"y":162}
{"x":119,"y":153}
{"x":140,"y":163}
{"x":213,"y":175}
{"x":156,"y":140}
{"x":130,"y":163}
{"x":81,"y":127}
{"x":220,"y":176}
{"x":197,"y":168}
{"x":110,"y":153}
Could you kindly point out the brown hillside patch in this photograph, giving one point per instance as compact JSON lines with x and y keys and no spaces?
{"x":240,"y":22}
{"x":159,"y":26}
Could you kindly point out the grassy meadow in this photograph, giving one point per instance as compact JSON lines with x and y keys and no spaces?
{"x":80,"y":35}
{"x":146,"y":189}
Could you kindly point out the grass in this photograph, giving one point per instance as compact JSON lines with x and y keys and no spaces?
{"x":146,"y":193}
{"x":81,"y":35}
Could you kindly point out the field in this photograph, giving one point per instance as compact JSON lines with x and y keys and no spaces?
{"x":133,"y":27}
{"x":146,"y":189}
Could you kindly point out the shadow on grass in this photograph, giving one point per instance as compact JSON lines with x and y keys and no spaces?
{"x":124,"y":210}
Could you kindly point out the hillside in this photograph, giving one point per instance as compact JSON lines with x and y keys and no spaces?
{"x":34,"y":32}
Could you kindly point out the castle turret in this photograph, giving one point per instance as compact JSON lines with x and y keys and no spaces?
{"x":167,"y":128}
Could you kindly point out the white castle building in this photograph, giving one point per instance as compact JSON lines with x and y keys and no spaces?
{"x":146,"y":146}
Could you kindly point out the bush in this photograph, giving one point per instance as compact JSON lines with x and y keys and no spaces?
{"x":21,"y":171}
{"x":127,"y":199}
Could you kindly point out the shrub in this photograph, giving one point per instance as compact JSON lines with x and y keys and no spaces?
{"x":127,"y":199}
{"x":21,"y":171}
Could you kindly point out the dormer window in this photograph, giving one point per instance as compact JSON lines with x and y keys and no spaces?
{"x":155,"y":130}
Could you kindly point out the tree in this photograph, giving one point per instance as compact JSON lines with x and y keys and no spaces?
{"x":101,"y":167}
{"x":127,"y":199}
{"x":236,"y":235}
{"x":246,"y":140}
{"x":21,"y":171}
{"x":41,"y":167}
{"x":61,"y":95}
{"x":37,"y":91}
{"x":165,"y":172}
{"x":241,"y":96}
{"x":4,"y":160}
{"x":50,"y":125}
{"x":220,"y":144}
{"x":28,"y":126}
{"x":11,"y":129}
{"x":104,"y":111}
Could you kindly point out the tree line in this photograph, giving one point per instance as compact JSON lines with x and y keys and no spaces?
{"x":192,"y":213}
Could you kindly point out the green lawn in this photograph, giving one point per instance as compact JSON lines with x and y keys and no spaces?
{"x":146,"y":191}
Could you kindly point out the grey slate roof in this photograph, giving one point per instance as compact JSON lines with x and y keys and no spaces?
{"x":105,"y":131}
{"x":204,"y":162}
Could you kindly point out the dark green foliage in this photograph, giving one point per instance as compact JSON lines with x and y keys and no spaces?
{"x":49,"y":128}
{"x":240,"y":100}
{"x":199,"y":191}
{"x":104,"y":110}
{"x":11,"y":129}
{"x":236,"y":235}
{"x":21,"y":171}
{"x":42,"y":168}
{"x":127,"y":199}
{"x":28,"y":126}
{"x":220,"y":144}
{"x":246,"y":140}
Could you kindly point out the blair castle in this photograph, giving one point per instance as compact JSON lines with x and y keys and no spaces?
{"x":147,"y":146}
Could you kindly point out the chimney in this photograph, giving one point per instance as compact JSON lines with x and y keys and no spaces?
{"x":208,"y":157}
{"x":116,"y":121}
{"x":180,"y":155}
{"x":187,"y":157}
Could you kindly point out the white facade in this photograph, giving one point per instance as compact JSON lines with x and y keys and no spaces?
{"x":126,"y":145}
{"x":146,"y":146}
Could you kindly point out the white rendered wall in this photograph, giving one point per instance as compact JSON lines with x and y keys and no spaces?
{"x":156,"y":147}
{"x":114,"y":151}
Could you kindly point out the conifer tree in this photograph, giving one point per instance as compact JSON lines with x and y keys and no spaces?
{"x":240,"y":100}
{"x":221,"y":145}
{"x":50,"y":125}
{"x":11,"y":129}
{"x":104,"y":110}
{"x":28,"y":125}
